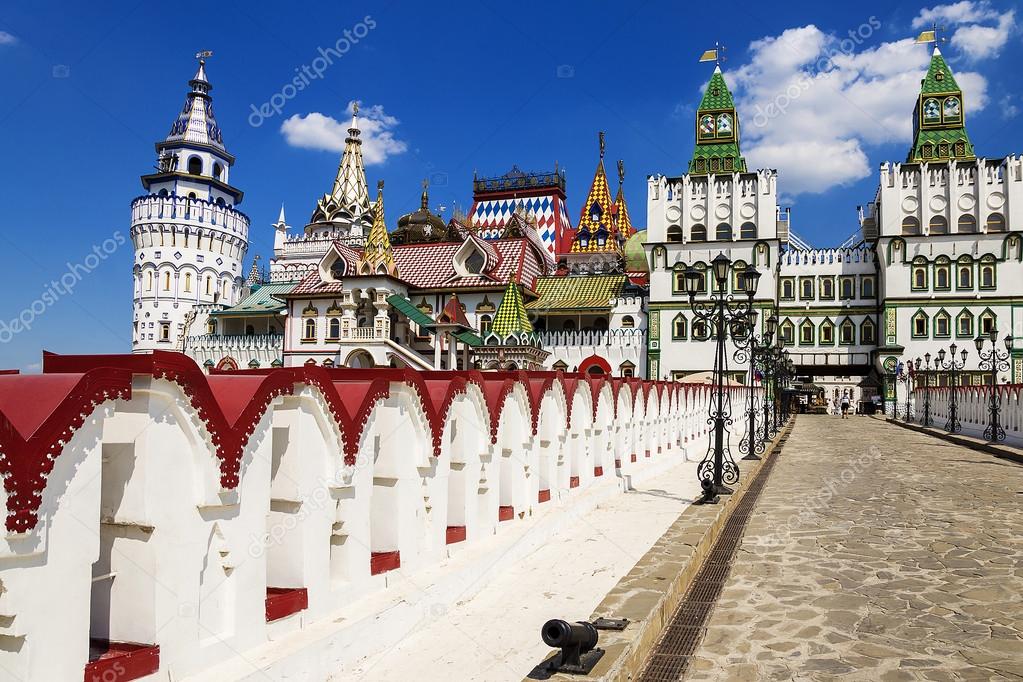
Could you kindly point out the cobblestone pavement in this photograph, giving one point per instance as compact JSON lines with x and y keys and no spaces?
{"x":874,"y":553}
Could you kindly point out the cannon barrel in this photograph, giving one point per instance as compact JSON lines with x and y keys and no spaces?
{"x":562,"y":634}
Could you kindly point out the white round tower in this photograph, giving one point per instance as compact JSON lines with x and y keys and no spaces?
{"x":190,"y":240}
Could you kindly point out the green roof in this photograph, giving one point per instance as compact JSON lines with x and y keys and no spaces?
{"x":635,"y":256}
{"x":939,"y":78}
{"x":942,"y":135}
{"x":577,"y":292}
{"x":717,"y":95}
{"x":511,"y":316}
{"x":262,"y":301}
{"x":718,"y":151}
{"x":406,"y":308}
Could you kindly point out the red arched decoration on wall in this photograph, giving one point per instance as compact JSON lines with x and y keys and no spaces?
{"x":227,"y":364}
{"x":595,"y":365}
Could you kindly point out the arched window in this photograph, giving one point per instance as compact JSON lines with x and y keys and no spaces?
{"x":675,"y":234}
{"x":568,"y":325}
{"x":659,"y":256}
{"x":964,"y":325}
{"x":679,"y":327}
{"x":868,"y":332}
{"x":211,"y":326}
{"x":627,"y":369}
{"x":334,"y":328}
{"x":337,"y":269}
{"x":788,"y":289}
{"x":910,"y":226}
{"x":700,"y":330}
{"x":486,"y":323}
{"x":166,"y":281}
{"x":964,"y":275}
{"x":919,"y":327}
{"x":827,"y":333}
{"x":787,"y":332}
{"x":218,"y":170}
{"x":942,"y":325}
{"x":209,"y":285}
{"x":628,"y":322}
{"x":748,"y":230}
{"x":987,"y":274}
{"x":920,"y":278}
{"x":309,"y":329}
{"x":938,"y":225}
{"x":600,"y":324}
{"x":698,"y":233}
{"x":806,"y":333}
{"x":194,"y":165}
{"x":967,"y":224}
{"x":942,"y":274}
{"x":847,"y":332}
{"x":996,"y":222}
{"x":723,"y":233}
{"x":188,"y":281}
{"x":988,"y":322}
{"x":149,"y":281}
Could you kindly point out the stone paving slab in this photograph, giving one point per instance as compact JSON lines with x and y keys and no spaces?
{"x":874,"y":553}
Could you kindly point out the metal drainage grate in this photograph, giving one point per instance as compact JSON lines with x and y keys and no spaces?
{"x":682,"y":635}
{"x":680,"y":641}
{"x":661,"y":668}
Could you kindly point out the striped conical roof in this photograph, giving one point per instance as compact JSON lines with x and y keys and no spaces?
{"x":511,"y":316}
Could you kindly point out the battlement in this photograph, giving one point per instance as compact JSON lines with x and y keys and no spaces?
{"x":794,"y":257}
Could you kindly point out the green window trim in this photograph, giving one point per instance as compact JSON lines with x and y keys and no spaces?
{"x":791,"y":281}
{"x":679,"y":328}
{"x":865,"y":338}
{"x":843,"y":338}
{"x":942,"y":316}
{"x":826,"y":333}
{"x":917,"y":271}
{"x":864,"y":281}
{"x":807,"y":326}
{"x":806,"y":287}
{"x":919,"y":331}
{"x":843,"y":288}
{"x":994,"y":277}
{"x":787,"y":333}
{"x":826,"y":283}
{"x":945,"y":268}
{"x":967,"y":317}
{"x":960,"y":269}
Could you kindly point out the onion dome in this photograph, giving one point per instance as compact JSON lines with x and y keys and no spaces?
{"x":422,"y":225}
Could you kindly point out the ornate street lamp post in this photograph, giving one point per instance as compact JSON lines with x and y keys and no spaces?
{"x":907,"y":379}
{"x":756,"y":352}
{"x":926,"y":421}
{"x":723,"y":314}
{"x":953,"y":367}
{"x":994,"y":361}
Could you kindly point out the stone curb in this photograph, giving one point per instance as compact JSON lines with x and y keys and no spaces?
{"x":999,"y":451}
{"x":649,"y":594}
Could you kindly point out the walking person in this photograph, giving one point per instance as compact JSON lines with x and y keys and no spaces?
{"x":845,"y":406}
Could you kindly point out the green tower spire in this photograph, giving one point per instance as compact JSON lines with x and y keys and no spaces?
{"x":939,"y":123}
{"x":717,"y":131}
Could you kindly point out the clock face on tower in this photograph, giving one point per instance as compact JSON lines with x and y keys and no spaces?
{"x":724,"y":123}
{"x":707,"y":125}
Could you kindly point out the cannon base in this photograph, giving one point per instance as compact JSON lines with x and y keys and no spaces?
{"x":583,"y":667}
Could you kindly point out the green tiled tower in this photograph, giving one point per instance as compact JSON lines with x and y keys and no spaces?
{"x":939,"y":122}
{"x":717,"y":131}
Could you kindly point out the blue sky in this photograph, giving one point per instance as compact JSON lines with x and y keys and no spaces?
{"x":825,"y":93}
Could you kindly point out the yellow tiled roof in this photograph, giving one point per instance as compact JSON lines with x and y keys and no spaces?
{"x":576,"y":292}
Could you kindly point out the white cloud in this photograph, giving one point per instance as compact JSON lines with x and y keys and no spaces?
{"x":317,"y":131}
{"x":1008,"y":106}
{"x":812,"y":103}
{"x":979,"y":31}
{"x":7,"y":38}
{"x":963,"y":12}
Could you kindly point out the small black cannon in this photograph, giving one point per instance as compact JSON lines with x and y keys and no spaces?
{"x":578,"y":644}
